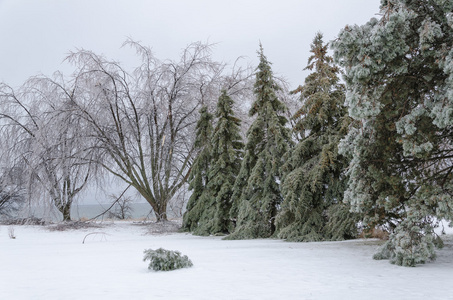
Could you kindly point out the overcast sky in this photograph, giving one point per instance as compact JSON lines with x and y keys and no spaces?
{"x":37,"y":35}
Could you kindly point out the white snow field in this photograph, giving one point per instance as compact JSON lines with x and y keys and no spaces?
{"x":43,"y":264}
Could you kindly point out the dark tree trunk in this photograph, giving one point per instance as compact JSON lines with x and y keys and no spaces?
{"x":161,"y":212}
{"x":66,"y":211}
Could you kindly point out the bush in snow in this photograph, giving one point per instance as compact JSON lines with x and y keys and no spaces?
{"x":413,"y":242}
{"x":166,"y":260}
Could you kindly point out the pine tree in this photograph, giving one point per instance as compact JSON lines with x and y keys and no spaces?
{"x":399,"y":74}
{"x":257,"y":194}
{"x":199,"y":201}
{"x":226,"y":158}
{"x":314,"y":179}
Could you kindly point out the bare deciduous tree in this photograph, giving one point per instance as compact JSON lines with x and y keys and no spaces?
{"x":11,"y":197}
{"x":48,"y":139}
{"x":144,"y":120}
{"x":122,"y":209}
{"x":12,"y":185}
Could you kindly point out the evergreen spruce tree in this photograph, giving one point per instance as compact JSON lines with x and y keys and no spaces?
{"x":314,"y":180}
{"x":257,"y":196}
{"x":199,"y":201}
{"x":399,"y":78}
{"x":227,"y":147}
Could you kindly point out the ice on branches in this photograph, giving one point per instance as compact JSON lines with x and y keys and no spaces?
{"x":166,"y":260}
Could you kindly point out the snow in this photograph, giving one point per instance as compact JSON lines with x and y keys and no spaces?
{"x":44,"y":264}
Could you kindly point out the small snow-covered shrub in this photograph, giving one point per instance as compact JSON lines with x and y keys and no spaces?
{"x":166,"y":260}
{"x":413,"y":242}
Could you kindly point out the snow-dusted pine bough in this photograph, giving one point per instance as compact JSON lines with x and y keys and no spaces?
{"x":166,"y":260}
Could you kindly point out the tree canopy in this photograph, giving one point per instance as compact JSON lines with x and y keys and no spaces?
{"x":399,"y":75}
{"x":200,"y":202}
{"x":314,"y":179}
{"x":256,"y":193}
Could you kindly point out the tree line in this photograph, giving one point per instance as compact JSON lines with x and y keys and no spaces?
{"x":63,"y":134}
{"x":373,"y":150}
{"x":283,"y":182}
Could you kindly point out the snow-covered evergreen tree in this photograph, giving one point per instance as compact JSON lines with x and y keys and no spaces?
{"x":257,"y":196}
{"x":399,"y":78}
{"x":227,"y":147}
{"x":314,"y":179}
{"x":214,"y":171}
{"x":199,"y":202}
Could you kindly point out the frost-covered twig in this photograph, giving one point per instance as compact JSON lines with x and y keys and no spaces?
{"x":92,"y":233}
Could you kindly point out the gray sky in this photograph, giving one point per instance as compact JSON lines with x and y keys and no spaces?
{"x":37,"y":35}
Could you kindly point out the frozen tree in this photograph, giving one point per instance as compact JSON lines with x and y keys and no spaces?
{"x":256,"y":193}
{"x":314,"y":179}
{"x":200,"y":202}
{"x":46,"y":137}
{"x":12,"y":196}
{"x":145,"y":121}
{"x":215,"y":170}
{"x":399,"y":73}
{"x":226,"y":158}
{"x":12,"y":181}
{"x":122,"y":208}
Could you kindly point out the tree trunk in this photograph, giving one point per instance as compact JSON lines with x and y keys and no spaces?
{"x":161,"y":212}
{"x":66,"y":211}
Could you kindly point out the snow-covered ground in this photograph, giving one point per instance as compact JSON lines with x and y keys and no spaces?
{"x":43,"y":264}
